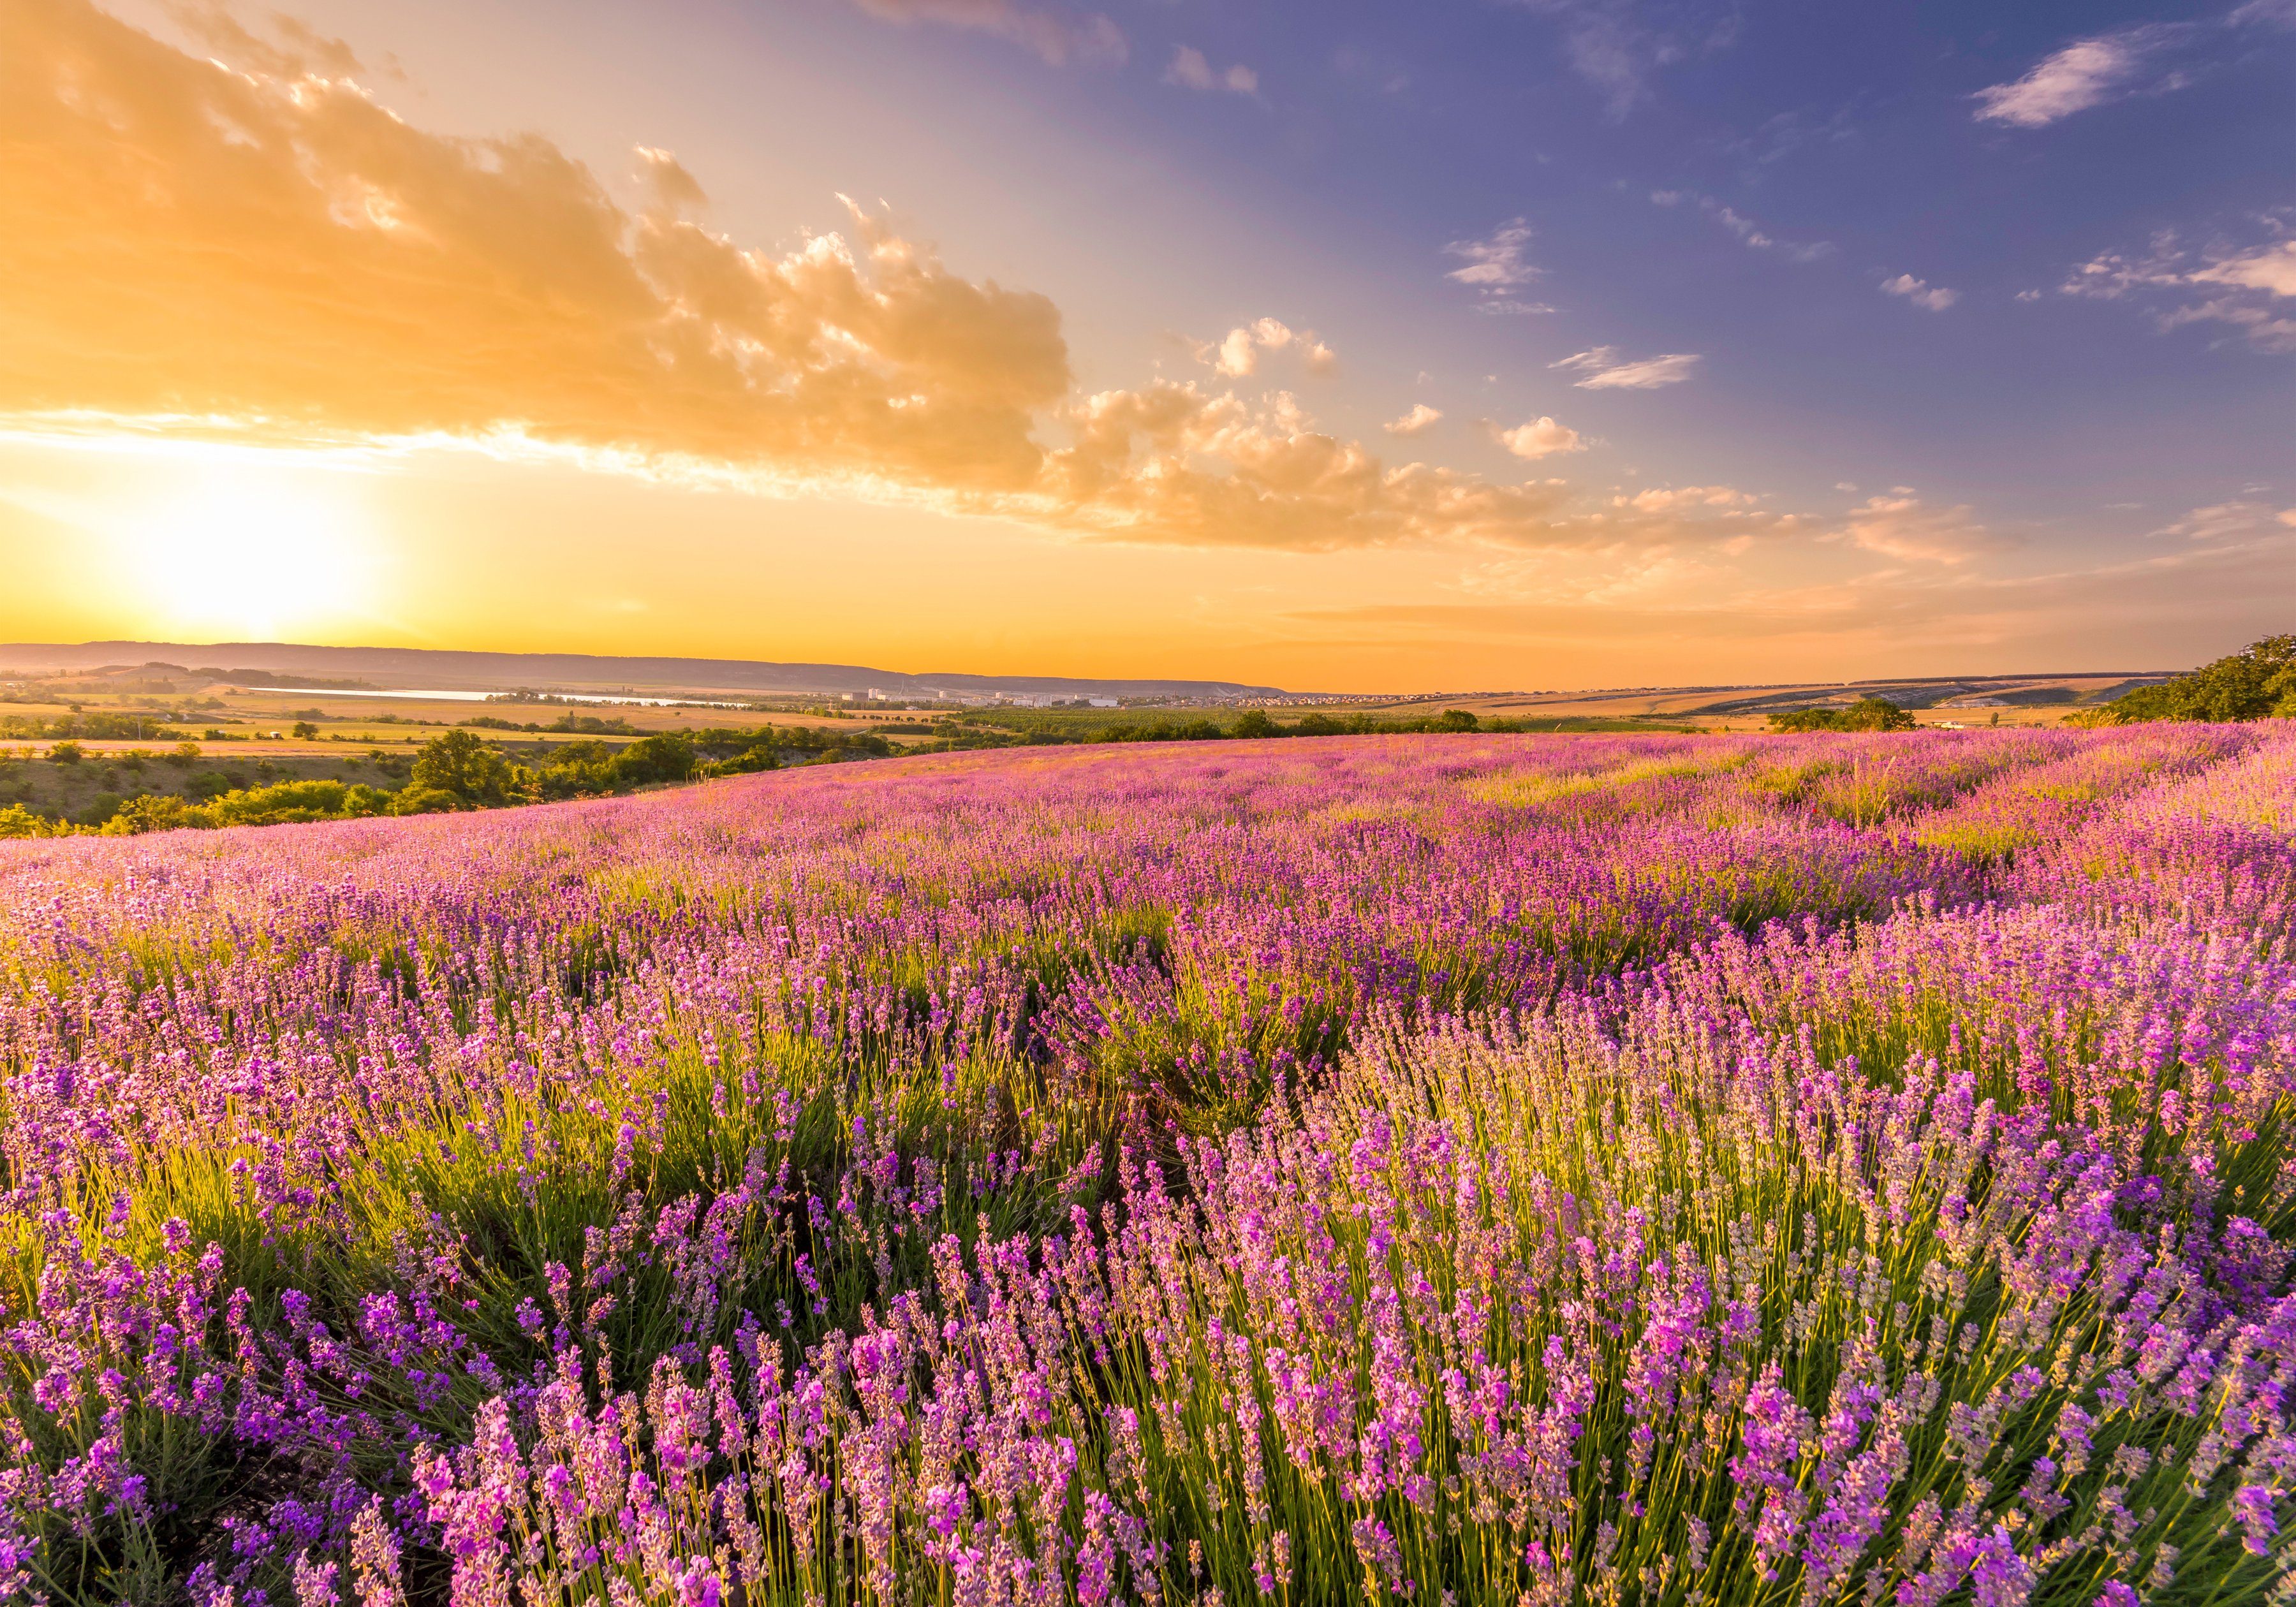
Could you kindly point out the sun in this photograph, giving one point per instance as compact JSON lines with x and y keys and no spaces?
{"x":246,"y":553}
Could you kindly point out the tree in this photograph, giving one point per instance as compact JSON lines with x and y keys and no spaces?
{"x":668,"y":756}
{"x":66,"y":753}
{"x":2257,"y":682}
{"x":1256,"y":724}
{"x":304,"y":731}
{"x":460,"y":763}
{"x":1876,"y":714}
{"x":1457,"y":719}
{"x":1866,"y":713}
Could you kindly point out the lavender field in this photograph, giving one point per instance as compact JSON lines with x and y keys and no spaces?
{"x":1447,"y":1169}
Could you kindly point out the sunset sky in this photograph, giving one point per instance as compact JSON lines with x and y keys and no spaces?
{"x":1357,"y":345}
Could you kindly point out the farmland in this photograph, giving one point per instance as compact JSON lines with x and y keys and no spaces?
{"x":1628,"y":1169}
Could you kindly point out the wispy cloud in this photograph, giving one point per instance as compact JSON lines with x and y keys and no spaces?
{"x":1678,"y":498}
{"x":2149,"y":58}
{"x":1751,"y":233}
{"x":2270,"y":268}
{"x":1420,"y":419}
{"x":2246,"y":287}
{"x":2085,"y":73}
{"x":1901,"y":526}
{"x":1496,"y":262}
{"x":1935,"y":297}
{"x":1495,"y":267}
{"x":1059,"y":37}
{"x":1617,"y":44}
{"x":1190,"y":69}
{"x":1601,"y":369}
{"x":2239,"y":518}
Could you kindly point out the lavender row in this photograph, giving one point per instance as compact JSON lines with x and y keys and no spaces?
{"x":1636,"y":1169}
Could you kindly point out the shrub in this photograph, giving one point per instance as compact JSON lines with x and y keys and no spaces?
{"x":17,"y":821}
{"x":759,"y":758}
{"x":152,"y":812}
{"x":419,"y":799}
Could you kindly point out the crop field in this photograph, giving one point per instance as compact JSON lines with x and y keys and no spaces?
{"x":1509,"y":1171}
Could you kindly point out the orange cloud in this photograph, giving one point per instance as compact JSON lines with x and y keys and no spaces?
{"x":179,"y":237}
{"x":258,"y":241}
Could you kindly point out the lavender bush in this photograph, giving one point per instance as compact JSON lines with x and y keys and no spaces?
{"x":1655,"y":1170}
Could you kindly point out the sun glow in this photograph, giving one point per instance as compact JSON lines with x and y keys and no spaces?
{"x":251,"y":554}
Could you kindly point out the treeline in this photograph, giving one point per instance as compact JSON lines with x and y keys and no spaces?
{"x":1866,"y":713}
{"x":279,"y":805}
{"x":1254,"y":725}
{"x":93,"y":727}
{"x":571,"y":725}
{"x":2257,"y":682}
{"x":459,"y":771}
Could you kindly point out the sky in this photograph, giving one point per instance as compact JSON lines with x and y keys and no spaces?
{"x":1462,"y":345}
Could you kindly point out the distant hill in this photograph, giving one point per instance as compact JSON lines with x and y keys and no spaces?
{"x":427,"y":669}
{"x":1936,"y":692}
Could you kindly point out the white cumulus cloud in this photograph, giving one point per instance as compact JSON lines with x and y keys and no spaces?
{"x":1420,"y":419}
{"x":1237,"y":353}
{"x":1541,"y":438}
{"x":1935,"y":297}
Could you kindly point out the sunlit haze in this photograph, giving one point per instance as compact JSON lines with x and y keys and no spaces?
{"x":1344,"y":347}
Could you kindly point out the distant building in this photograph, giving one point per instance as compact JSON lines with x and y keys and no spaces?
{"x":1101,"y":703}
